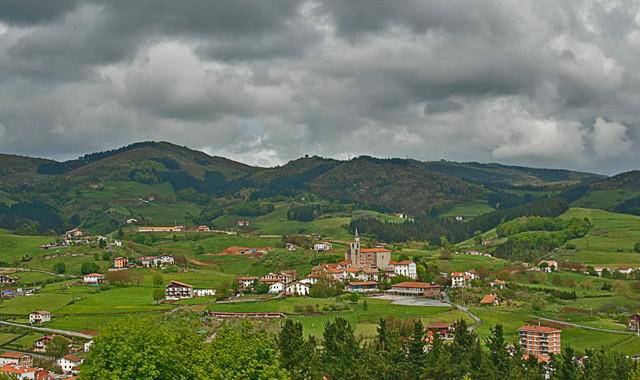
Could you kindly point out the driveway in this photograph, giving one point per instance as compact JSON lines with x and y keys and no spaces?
{"x":411,"y":301}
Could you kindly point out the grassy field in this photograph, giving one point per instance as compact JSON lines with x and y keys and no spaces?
{"x":14,"y":247}
{"x":604,"y":199}
{"x":468,"y":209}
{"x":610,"y":242}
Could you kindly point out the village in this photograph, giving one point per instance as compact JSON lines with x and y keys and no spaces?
{"x":356,"y":273}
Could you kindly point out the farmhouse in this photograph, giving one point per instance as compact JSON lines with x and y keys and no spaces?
{"x":548,"y":265}
{"x":93,"y":278}
{"x":498,"y":284}
{"x":362,"y":258}
{"x":322,"y":246}
{"x":276,"y":287}
{"x":203,"y":229}
{"x":162,"y":229}
{"x":39,"y":317}
{"x":634,"y":322}
{"x":246,"y":282}
{"x":243,"y":223}
{"x":120,"y":262}
{"x":441,"y":330}
{"x":539,"y":340}
{"x":490,"y":300}
{"x":235,"y":250}
{"x":297,"y":289}
{"x":362,"y":286}
{"x":176,"y":290}
{"x":413,"y":288}
{"x":404,"y":268}
{"x":16,"y":358}
{"x":70,"y":364}
{"x":73,"y":233}
{"x":462,"y":279}
{"x":157,"y":261}
{"x":204,"y":292}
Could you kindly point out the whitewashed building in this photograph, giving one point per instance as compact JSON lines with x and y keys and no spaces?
{"x":40,"y":316}
{"x":70,"y":364}
{"x":404,"y":268}
{"x":297,"y":289}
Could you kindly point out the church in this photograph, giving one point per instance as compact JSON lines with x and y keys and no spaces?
{"x":367,"y":258}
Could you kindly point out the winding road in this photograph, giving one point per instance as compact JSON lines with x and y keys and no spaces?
{"x":48,"y":330}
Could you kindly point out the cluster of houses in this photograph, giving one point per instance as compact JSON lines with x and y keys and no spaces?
{"x":174,"y":229}
{"x":20,"y":366}
{"x":176,"y":290}
{"x":360,"y":271}
{"x":8,"y":291}
{"x":160,"y":261}
{"x":245,"y":251}
{"x":474,"y":253}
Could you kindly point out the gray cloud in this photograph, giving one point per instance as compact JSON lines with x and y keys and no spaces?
{"x":527,"y":82}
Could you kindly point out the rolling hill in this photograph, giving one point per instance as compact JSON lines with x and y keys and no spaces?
{"x":160,"y":182}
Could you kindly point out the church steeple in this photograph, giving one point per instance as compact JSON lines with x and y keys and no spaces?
{"x":357,"y":237}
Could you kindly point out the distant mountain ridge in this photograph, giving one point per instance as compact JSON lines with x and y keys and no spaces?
{"x":197,"y":181}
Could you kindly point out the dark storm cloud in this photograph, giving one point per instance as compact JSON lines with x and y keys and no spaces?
{"x":528,"y":82}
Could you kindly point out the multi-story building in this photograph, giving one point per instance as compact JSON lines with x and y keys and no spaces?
{"x":404,"y":268}
{"x":176,"y":290}
{"x":540,"y":340}
{"x":413,"y":288}
{"x":120,"y":262}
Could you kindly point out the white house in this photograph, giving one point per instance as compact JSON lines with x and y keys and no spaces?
{"x":499,"y":284}
{"x":276,"y":287}
{"x":322,"y":247}
{"x":70,"y":364}
{"x":166,"y":260}
{"x":93,"y":278}
{"x":21,"y":372}
{"x":311,"y":279}
{"x":462,"y":279}
{"x":204,"y":292}
{"x":297,"y":289}
{"x":626,"y":271}
{"x":40,"y":316}
{"x":404,"y":268}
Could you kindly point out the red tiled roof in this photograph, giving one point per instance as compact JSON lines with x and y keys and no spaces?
{"x":94,"y":275}
{"x":539,"y":329}
{"x":373,"y":250}
{"x":13,"y":355}
{"x":362,"y":283}
{"x":438,"y":325}
{"x":247,"y":278}
{"x":488,"y":298}
{"x":72,"y":358}
{"x":180,"y":284}
{"x":402,"y":262}
{"x":415,"y":284}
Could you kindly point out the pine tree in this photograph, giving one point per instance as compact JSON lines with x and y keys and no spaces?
{"x":416,"y":351}
{"x":342,"y":353}
{"x":565,"y":365}
{"x":498,"y":352}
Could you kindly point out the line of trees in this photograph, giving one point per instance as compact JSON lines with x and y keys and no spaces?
{"x":431,"y":229}
{"x":173,"y":349}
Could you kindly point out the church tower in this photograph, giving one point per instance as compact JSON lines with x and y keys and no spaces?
{"x":354,"y":249}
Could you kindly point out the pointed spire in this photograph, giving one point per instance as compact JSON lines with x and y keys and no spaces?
{"x":356,"y":232}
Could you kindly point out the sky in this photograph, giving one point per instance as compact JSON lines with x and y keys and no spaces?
{"x":546,"y":83}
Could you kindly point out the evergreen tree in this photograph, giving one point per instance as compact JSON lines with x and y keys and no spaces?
{"x":416,"y":351}
{"x":342,"y":353}
{"x":565,"y":365}
{"x":498,"y":352}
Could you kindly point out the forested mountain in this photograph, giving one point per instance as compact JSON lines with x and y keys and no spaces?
{"x":160,"y":182}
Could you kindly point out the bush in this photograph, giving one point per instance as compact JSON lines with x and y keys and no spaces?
{"x":59,"y":267}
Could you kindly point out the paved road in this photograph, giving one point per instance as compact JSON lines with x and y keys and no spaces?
{"x":40,"y":271}
{"x":584,"y":327}
{"x":476,"y":319}
{"x":411,"y":301}
{"x":48,"y":330}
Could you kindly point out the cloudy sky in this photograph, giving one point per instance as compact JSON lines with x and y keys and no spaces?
{"x":537,"y":82}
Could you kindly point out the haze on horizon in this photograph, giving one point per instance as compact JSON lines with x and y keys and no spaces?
{"x":528,"y":82}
